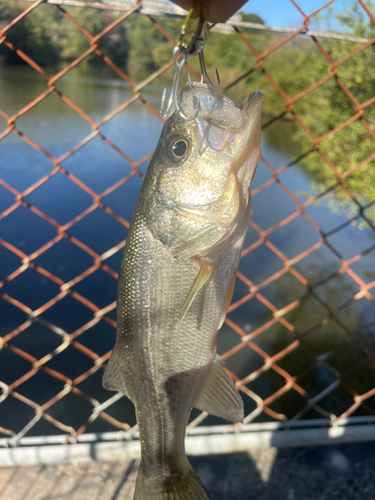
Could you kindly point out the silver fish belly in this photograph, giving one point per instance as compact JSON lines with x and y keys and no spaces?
{"x":176,"y":281}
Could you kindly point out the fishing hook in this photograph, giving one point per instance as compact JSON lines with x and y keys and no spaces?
{"x":191,"y":42}
{"x":173,"y":99}
{"x":204,"y":73}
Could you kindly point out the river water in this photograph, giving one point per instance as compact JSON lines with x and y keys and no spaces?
{"x":57,"y":128}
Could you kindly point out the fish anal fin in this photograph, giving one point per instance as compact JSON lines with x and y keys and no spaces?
{"x":203,"y":275}
{"x":219,"y":396}
{"x":113,"y":378}
{"x":219,"y":360}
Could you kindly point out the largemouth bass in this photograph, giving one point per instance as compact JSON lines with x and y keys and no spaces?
{"x":177,"y":279}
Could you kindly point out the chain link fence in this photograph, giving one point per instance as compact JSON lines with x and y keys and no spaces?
{"x":285,"y":367}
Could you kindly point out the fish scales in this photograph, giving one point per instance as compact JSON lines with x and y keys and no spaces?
{"x":164,"y":357}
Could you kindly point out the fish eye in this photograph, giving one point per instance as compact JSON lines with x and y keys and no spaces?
{"x":176,"y":148}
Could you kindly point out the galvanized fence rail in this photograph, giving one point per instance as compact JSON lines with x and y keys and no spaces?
{"x":270,"y":364}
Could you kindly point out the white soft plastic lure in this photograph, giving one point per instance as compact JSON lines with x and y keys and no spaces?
{"x":177,"y":279}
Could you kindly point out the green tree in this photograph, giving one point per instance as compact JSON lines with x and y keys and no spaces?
{"x":48,"y":37}
{"x":252,"y":18}
{"x":328,"y":106}
{"x":138,"y":47}
{"x":30,"y":35}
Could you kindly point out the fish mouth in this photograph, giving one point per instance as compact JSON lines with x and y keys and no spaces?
{"x":254,"y":100}
{"x":245,"y":145}
{"x":251,"y":110}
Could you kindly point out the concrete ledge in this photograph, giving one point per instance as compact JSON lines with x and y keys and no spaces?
{"x":209,"y":443}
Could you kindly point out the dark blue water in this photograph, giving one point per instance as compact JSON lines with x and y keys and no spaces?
{"x":57,"y":128}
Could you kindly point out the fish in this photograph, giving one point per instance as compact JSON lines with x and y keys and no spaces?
{"x":177,"y":279}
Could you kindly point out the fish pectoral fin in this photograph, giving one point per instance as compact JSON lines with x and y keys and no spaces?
{"x":219,"y":396}
{"x":113,"y":378}
{"x":228,"y":299}
{"x":199,"y":244}
{"x":203,"y":275}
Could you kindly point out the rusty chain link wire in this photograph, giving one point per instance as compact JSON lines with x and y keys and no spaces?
{"x":269,"y":364}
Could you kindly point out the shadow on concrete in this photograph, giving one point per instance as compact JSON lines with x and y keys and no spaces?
{"x":344,"y":471}
{"x":322,"y":472}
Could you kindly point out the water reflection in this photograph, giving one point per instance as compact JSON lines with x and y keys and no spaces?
{"x":135,"y":130}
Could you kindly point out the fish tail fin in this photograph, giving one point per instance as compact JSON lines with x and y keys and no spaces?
{"x":187,"y":487}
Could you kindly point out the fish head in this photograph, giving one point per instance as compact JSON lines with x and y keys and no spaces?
{"x":202,"y":170}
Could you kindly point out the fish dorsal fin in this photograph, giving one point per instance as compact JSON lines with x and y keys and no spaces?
{"x":113,"y":378}
{"x":203,"y":275}
{"x":219,"y":397}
